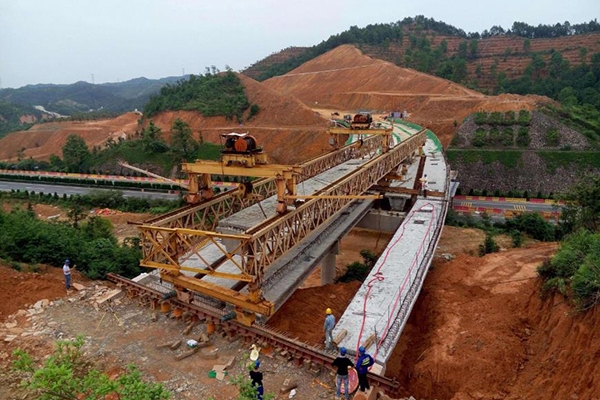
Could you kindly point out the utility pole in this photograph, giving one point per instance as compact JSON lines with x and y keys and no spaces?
{"x":92,"y":79}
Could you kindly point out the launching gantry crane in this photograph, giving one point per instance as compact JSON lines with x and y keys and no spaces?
{"x":241,"y":156}
{"x":360,"y":125}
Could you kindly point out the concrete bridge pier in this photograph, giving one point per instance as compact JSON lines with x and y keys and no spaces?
{"x":328,"y":264}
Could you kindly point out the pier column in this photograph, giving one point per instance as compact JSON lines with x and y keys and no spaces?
{"x":328,"y":265}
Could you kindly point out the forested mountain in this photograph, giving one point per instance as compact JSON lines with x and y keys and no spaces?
{"x":82,"y":97}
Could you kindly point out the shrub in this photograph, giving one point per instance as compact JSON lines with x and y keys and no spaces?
{"x":517,"y":238}
{"x":523,"y":138}
{"x":508,"y":136}
{"x":479,"y":139}
{"x":534,"y":225}
{"x":495,"y":137}
{"x":552,"y":137}
{"x":509,"y":118}
{"x":480,"y":118}
{"x":495,"y":118}
{"x":576,"y":266}
{"x":489,"y":245}
{"x":524,"y":117}
{"x":356,"y":271}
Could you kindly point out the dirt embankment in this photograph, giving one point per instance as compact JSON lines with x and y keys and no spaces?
{"x":481,"y":331}
{"x":346,"y":79}
{"x":43,"y":140}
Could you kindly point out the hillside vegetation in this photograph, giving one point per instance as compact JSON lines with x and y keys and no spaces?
{"x":14,"y":117}
{"x":212,"y":94}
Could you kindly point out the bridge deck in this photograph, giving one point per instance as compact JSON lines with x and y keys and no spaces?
{"x":383,"y":303}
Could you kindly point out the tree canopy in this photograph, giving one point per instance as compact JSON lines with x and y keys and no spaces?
{"x":211,"y":94}
{"x":75,"y":153}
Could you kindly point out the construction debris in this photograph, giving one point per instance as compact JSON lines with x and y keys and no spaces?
{"x":186,"y":354}
{"x":288,"y":385}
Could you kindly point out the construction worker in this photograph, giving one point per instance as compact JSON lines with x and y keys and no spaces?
{"x":424,"y":185}
{"x":67,"y":273}
{"x":342,"y":363}
{"x":363,"y":364}
{"x":257,"y":377}
{"x":329,"y":324}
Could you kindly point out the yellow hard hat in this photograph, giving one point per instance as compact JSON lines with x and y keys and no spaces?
{"x":328,"y":311}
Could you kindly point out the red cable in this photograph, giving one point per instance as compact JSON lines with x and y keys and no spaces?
{"x":378,"y":276}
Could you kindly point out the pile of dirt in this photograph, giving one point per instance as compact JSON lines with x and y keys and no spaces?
{"x":344,"y":78}
{"x":43,"y":140}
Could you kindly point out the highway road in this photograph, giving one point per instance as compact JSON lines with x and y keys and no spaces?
{"x":7,"y":186}
{"x":505,"y":205}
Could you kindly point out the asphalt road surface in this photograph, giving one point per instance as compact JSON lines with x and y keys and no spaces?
{"x":7,"y":186}
{"x":522,"y":206}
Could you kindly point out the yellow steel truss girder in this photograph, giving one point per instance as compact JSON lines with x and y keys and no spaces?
{"x":264,"y":171}
{"x":206,"y":214}
{"x":177,"y":243}
{"x":347,"y":131}
{"x":218,"y":292}
{"x":266,"y":244}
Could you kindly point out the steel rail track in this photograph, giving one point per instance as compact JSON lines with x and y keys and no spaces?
{"x":299,"y":351}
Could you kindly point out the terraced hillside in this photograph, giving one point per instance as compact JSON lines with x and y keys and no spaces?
{"x":517,"y":152}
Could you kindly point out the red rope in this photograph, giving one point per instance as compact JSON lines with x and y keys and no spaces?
{"x":379,"y":277}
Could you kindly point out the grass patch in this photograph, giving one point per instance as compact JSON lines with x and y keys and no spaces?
{"x":508,"y":158}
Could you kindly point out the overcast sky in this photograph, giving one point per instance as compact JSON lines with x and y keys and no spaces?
{"x":64,"y":41}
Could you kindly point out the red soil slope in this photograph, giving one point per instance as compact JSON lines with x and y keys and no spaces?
{"x":480,"y":330}
{"x":282,"y":127}
{"x":346,"y":79}
{"x":43,"y":140}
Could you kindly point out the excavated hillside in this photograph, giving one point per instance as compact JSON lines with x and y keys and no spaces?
{"x":288,"y":130}
{"x":506,"y":52}
{"x":43,"y":140}
{"x":346,"y":79}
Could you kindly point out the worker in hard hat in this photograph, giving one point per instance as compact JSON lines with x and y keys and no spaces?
{"x":363,"y":364}
{"x":329,"y":324}
{"x":342,"y":363}
{"x":257,"y":377}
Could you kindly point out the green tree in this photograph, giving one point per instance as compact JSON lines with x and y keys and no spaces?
{"x":489,"y":245}
{"x":444,"y":46}
{"x":76,"y":214}
{"x":75,"y":153}
{"x":462,"y":50}
{"x":183,"y":144}
{"x":582,"y":208}
{"x":66,"y":375}
{"x":526,"y":45}
{"x":152,"y":139}
{"x":473,"y":48}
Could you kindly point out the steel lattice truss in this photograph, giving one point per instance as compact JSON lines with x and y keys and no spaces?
{"x":175,"y":237}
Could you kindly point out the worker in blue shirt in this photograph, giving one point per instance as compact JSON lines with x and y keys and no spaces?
{"x":363,"y":364}
{"x":329,"y":324}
